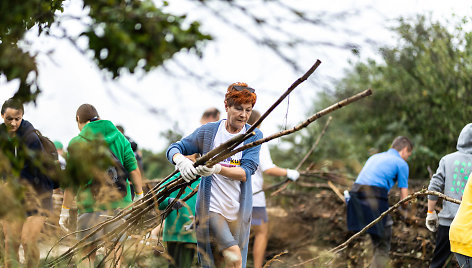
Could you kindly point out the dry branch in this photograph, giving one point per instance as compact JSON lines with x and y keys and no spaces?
{"x":336,"y":190}
{"x":300,"y":126}
{"x":304,"y":124}
{"x":275,"y":258}
{"x":385,"y":213}
{"x":161,"y":191}
{"x":287,"y":180}
{"x":312,"y":149}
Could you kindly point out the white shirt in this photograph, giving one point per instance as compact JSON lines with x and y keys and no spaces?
{"x":62,"y":161}
{"x":225,"y":192}
{"x":265,"y":162}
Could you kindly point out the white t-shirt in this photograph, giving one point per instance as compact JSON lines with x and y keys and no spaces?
{"x":225,"y":191}
{"x":265,"y":162}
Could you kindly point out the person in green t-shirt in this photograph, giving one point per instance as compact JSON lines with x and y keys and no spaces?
{"x":94,"y":208}
{"x":179,"y":232}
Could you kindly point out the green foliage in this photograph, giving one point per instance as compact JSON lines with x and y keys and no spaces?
{"x":123,"y":34}
{"x":156,"y":165}
{"x":17,"y":17}
{"x":422,"y":90}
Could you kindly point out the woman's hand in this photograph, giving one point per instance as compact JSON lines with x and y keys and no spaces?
{"x":185,"y":166}
{"x":205,"y":171}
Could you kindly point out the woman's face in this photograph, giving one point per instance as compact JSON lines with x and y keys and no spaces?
{"x":237,"y":115}
{"x":12,"y":119}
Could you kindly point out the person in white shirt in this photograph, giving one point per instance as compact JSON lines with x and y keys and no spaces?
{"x":260,"y":220}
{"x":224,"y":199}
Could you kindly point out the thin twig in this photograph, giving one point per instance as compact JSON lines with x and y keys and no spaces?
{"x":336,"y":190}
{"x":159,"y":192}
{"x":315,"y":144}
{"x":287,"y":180}
{"x":385,"y":213}
{"x":275,"y":258}
{"x":250,"y":131}
{"x":300,"y":126}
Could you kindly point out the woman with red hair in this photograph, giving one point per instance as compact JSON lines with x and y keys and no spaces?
{"x":224,"y":201}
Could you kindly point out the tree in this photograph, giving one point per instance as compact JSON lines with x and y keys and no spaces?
{"x":122,"y":34}
{"x":422,"y":89}
{"x":156,"y":165}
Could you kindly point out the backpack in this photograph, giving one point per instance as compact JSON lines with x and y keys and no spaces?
{"x":116,"y":178}
{"x":50,"y":158}
{"x":48,"y":145}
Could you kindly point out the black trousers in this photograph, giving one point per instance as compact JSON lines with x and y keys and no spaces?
{"x":381,"y":245}
{"x":443,"y":247}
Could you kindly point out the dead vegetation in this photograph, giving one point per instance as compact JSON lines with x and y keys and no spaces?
{"x":308,"y":222}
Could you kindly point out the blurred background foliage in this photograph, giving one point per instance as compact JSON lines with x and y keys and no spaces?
{"x":421,"y":85}
{"x":123,"y":35}
{"x":422,"y":90}
{"x":156,"y":165}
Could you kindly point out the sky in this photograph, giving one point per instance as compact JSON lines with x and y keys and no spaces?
{"x":148,"y":104}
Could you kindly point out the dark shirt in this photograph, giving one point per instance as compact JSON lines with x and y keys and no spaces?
{"x":21,"y":151}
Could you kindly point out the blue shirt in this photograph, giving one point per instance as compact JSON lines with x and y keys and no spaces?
{"x":383,"y":170}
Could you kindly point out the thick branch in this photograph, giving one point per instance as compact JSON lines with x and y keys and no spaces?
{"x":300,"y":126}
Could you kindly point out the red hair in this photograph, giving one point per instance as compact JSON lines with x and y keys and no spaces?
{"x":234,"y":96}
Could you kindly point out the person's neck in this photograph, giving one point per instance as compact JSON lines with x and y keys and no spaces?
{"x":230,"y":129}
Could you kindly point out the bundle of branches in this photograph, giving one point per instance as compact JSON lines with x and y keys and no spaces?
{"x":134,"y":214}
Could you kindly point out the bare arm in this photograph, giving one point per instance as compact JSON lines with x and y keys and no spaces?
{"x":235,"y":173}
{"x":432,"y":204}
{"x":276,"y":171}
{"x":68,"y":198}
{"x":137,"y":180}
{"x":403,"y":194}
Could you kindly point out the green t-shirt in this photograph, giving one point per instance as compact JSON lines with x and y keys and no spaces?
{"x":175,"y":222}
{"x":120,"y":146}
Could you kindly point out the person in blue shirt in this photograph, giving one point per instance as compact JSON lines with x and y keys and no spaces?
{"x":369,"y":195}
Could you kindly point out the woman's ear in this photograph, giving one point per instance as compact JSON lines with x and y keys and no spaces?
{"x":226,"y":106}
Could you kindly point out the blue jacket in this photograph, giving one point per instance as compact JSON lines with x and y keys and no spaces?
{"x":201,"y":141}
